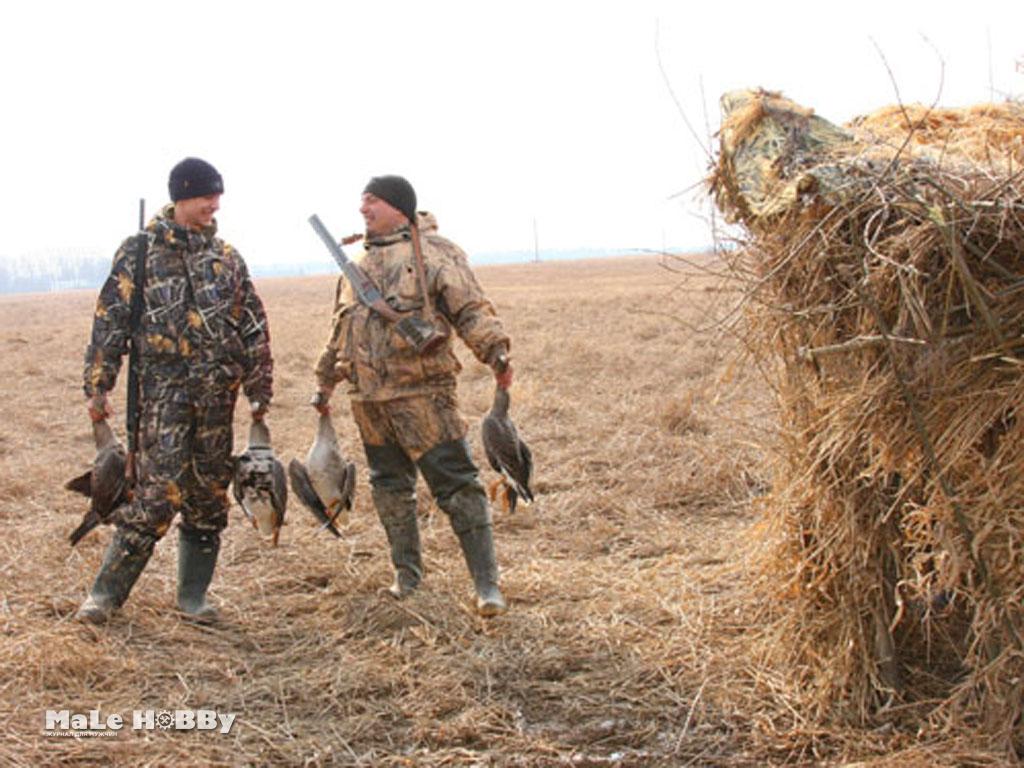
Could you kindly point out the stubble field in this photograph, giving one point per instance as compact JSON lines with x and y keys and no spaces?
{"x":629,"y":635}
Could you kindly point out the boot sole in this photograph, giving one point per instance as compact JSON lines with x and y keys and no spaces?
{"x":93,"y":612}
{"x":401,"y":591}
{"x":205,"y":615}
{"x":489,"y":610}
{"x":93,"y":617}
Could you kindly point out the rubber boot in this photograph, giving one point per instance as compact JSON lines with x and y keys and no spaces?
{"x":471,"y":521}
{"x":478,"y":549}
{"x":397,"y":513}
{"x":123,"y":561}
{"x":197,"y":557}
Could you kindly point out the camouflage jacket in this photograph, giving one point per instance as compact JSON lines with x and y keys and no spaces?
{"x":202,"y":324}
{"x":364,"y":348}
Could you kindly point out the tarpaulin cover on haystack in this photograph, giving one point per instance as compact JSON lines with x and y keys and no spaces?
{"x":884,"y":262}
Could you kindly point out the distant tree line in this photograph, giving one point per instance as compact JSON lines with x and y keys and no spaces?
{"x":32,"y":275}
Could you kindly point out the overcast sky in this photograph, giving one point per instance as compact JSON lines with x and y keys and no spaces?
{"x":500,"y":114}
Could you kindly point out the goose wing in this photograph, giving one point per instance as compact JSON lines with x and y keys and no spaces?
{"x":279,"y":491}
{"x":348,"y":486}
{"x":524,"y":475}
{"x":105,"y":485}
{"x":494,"y":437}
{"x":109,"y":485}
{"x":81,"y":484}
{"x":302,"y":486}
{"x":242,"y":483}
{"x":505,"y":453}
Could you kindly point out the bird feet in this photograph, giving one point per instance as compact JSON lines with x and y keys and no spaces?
{"x":497,"y":492}
{"x":337,"y":514}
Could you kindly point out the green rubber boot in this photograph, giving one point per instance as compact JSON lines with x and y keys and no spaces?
{"x":123,"y":562}
{"x":197,"y":558}
{"x":471,"y":520}
{"x":397,"y":513}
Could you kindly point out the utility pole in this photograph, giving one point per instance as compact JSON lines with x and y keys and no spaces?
{"x":536,"y":247}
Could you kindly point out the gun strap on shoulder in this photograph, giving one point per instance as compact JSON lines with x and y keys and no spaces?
{"x":421,"y":272}
{"x":134,"y":319}
{"x":141,"y":247}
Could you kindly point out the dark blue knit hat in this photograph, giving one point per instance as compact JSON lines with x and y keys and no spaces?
{"x":193,"y":177}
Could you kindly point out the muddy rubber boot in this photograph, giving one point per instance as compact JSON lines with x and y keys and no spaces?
{"x":453,"y":479}
{"x":397,"y":513}
{"x":123,"y":561}
{"x":478,"y":549}
{"x":471,"y":520}
{"x":197,"y":557}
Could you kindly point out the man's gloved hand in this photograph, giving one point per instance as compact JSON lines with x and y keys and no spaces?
{"x":321,"y":400}
{"x":502,"y":367}
{"x":99,"y":408}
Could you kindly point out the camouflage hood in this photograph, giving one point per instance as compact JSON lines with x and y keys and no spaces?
{"x":426,"y":221}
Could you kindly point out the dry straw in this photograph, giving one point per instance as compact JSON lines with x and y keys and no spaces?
{"x":623,"y":642}
{"x":883,"y":265}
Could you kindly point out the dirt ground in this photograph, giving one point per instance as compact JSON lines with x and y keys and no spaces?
{"x":627,"y":641}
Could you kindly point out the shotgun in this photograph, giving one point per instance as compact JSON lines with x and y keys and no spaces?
{"x":422,"y":335}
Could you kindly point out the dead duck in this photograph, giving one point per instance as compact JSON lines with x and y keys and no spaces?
{"x":325,"y":484}
{"x":105,"y":484}
{"x":507,"y":454}
{"x":259,"y":483}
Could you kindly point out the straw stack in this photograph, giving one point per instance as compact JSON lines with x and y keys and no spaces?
{"x":885,"y":269}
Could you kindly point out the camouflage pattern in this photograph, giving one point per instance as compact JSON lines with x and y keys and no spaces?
{"x":364,"y":348}
{"x":775,"y":155}
{"x":404,"y":403}
{"x":416,"y":424}
{"x":203,"y":336}
{"x":184,"y":462}
{"x":202,"y":322}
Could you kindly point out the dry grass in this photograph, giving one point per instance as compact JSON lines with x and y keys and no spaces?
{"x":628,"y":639}
{"x":883,"y":269}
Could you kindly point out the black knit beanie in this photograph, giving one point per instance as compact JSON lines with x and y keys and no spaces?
{"x":396,"y":192}
{"x":193,"y":177}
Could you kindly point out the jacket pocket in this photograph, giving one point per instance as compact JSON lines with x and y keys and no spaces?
{"x":408,"y":288}
{"x":441,"y":363}
{"x":344,"y":343}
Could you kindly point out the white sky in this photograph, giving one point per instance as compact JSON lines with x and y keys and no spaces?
{"x":498,"y":113}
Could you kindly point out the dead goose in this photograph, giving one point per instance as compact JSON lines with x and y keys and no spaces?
{"x":326,"y":482}
{"x":105,"y":484}
{"x":259,"y":483}
{"x":507,"y":454}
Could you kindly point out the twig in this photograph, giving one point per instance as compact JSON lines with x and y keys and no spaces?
{"x":672,"y":93}
{"x":929,"y":451}
{"x":860,"y":342}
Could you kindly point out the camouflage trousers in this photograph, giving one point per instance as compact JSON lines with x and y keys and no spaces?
{"x":416,"y":423}
{"x":425,"y":433}
{"x":183,"y":465}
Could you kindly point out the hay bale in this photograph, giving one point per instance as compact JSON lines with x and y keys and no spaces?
{"x":885,"y":268}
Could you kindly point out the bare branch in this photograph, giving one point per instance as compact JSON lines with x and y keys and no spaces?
{"x":672,"y":93}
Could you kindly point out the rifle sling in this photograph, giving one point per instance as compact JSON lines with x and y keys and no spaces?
{"x":134,"y":318}
{"x":421,"y":272}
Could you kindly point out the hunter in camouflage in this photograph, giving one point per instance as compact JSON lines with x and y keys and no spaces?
{"x":202,"y":337}
{"x":403,"y":402}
